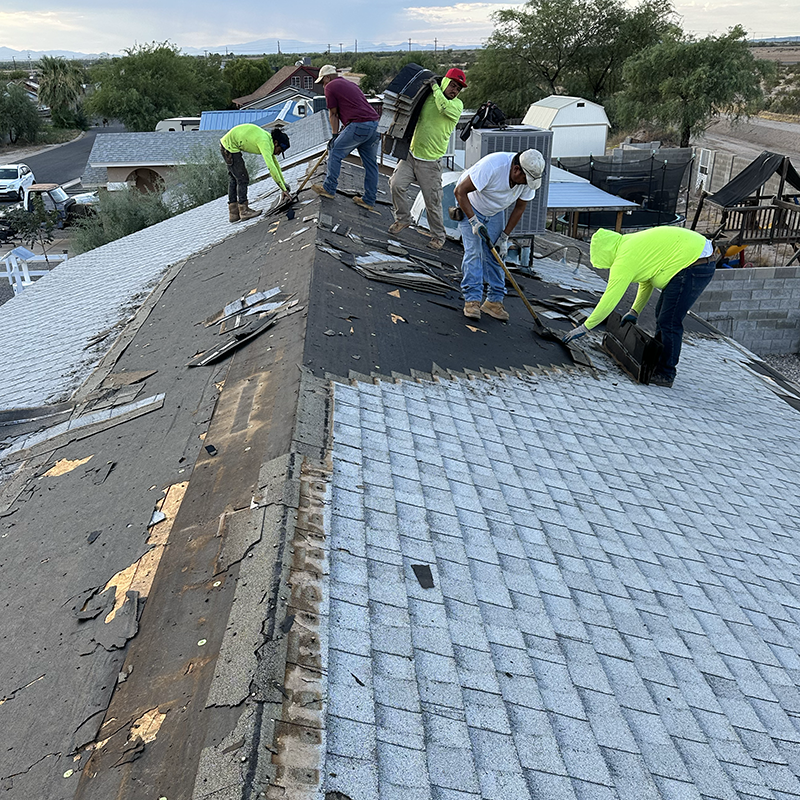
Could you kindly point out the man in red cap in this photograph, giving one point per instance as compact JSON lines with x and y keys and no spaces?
{"x":439,"y":115}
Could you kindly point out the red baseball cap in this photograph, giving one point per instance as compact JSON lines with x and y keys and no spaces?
{"x":458,"y":76}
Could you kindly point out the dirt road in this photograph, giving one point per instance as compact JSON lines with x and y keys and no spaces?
{"x":749,"y":138}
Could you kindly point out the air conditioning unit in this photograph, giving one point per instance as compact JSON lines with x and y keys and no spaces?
{"x":514,"y":139}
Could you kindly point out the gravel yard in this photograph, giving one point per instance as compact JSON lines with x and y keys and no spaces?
{"x":788,"y":365}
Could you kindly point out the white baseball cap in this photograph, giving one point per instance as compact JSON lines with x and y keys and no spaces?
{"x":328,"y":69}
{"x":532,"y":163}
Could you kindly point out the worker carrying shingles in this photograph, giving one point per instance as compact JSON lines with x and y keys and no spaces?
{"x":677,"y":261}
{"x":484,"y":192}
{"x":247,"y":138}
{"x":437,"y":119}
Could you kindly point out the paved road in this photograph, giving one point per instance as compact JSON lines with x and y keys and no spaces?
{"x":67,"y":162}
{"x":749,"y":138}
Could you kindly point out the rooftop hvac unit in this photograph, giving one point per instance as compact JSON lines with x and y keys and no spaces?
{"x":514,"y":139}
{"x":320,"y":103}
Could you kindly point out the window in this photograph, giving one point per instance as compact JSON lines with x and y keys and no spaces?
{"x":296,"y":81}
{"x":308,"y":83}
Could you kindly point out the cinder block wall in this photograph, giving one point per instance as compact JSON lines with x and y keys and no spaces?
{"x":758,"y":307}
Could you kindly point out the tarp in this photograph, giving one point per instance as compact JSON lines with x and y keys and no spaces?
{"x":752,"y":177}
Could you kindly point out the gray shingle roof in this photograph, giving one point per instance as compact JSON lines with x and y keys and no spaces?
{"x":149,"y":148}
{"x":616,"y":588}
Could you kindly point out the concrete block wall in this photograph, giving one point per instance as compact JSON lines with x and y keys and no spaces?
{"x":758,"y":307}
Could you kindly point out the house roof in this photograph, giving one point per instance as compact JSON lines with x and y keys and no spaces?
{"x":414,"y":556}
{"x":148,"y":149}
{"x":225,"y":120}
{"x":275,"y":82}
{"x":281,"y":96}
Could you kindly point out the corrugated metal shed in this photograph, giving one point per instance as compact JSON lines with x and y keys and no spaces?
{"x":225,"y":120}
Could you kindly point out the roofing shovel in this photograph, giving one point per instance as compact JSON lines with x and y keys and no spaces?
{"x":540,"y":328}
{"x":284,"y":204}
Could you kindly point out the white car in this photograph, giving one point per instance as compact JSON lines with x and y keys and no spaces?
{"x":14,"y":178}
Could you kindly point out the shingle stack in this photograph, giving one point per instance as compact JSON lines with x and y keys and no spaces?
{"x":402,"y":101}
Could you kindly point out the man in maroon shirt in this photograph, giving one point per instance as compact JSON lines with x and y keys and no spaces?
{"x":354,"y":123}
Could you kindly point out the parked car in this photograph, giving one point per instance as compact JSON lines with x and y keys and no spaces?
{"x":55,"y":198}
{"x":14,"y":178}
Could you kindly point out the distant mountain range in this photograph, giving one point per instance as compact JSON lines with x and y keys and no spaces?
{"x":287,"y":46}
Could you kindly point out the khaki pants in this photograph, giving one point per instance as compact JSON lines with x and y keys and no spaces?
{"x":428,"y":176}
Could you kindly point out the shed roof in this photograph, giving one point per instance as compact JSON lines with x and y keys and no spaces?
{"x":544,"y":113}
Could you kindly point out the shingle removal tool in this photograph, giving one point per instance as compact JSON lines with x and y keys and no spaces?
{"x":284,"y":204}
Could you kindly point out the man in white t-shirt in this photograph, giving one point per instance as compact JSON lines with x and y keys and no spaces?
{"x":483,"y":193}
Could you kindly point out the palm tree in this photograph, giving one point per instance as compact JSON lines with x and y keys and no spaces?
{"x":60,"y":84}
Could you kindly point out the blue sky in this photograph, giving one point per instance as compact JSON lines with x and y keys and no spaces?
{"x":110,"y":26}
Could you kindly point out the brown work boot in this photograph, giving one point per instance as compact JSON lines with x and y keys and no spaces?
{"x":472,"y":309}
{"x":495,"y":310}
{"x":359,"y":201}
{"x":436,"y":244}
{"x":233,"y":212}
{"x":320,"y":190}
{"x":245,"y":212}
{"x":396,"y":227}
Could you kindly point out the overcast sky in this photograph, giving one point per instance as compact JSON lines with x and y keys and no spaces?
{"x":110,"y":26}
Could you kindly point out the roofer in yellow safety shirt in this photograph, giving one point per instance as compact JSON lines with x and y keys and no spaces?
{"x":437,"y":119}
{"x":247,"y":138}
{"x":677,"y":261}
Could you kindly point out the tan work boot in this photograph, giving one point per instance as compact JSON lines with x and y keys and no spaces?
{"x":245,"y":212}
{"x":396,"y":227}
{"x":233,"y":212}
{"x":436,"y":244}
{"x":495,"y":310}
{"x":359,"y":201}
{"x":320,"y":190}
{"x":472,"y":309}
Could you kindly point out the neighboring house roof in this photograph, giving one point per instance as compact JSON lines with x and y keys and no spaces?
{"x":415,"y":558}
{"x":225,"y":120}
{"x":281,"y":96}
{"x":149,"y":149}
{"x":283,"y":76}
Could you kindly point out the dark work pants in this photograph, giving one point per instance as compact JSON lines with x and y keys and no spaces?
{"x":677,"y":297}
{"x":238,"y":179}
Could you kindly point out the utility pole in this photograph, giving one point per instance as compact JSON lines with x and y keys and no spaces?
{"x":409,"y":45}
{"x":340,"y":53}
{"x":279,"y":47}
{"x":356,"y":50}
{"x":328,"y":51}
{"x":435,"y":42}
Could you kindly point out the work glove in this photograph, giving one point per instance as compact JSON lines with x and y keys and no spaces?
{"x":574,"y":334}
{"x":286,"y":193}
{"x":479,"y":229}
{"x":331,"y":141}
{"x":501,"y":245}
{"x":631,"y":316}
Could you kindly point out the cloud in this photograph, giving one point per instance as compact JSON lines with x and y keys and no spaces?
{"x":461,"y":21}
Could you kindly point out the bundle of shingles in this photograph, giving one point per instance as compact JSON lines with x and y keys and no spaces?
{"x":402,"y":102}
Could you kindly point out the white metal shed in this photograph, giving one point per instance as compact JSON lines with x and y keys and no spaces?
{"x":580,"y":127}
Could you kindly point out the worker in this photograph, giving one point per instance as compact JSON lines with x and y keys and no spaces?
{"x":677,"y":261}
{"x":483,"y":193}
{"x":247,"y":138}
{"x":438,"y":117}
{"x":354,"y":124}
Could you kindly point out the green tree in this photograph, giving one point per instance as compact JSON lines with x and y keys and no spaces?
{"x":61,"y":88}
{"x":560,"y":46}
{"x":686,"y":83}
{"x":35,"y":226}
{"x":18,"y":115}
{"x":245,"y":75}
{"x":149,"y":83}
{"x":212,"y":90}
{"x":370,"y":68}
{"x":119,"y":214}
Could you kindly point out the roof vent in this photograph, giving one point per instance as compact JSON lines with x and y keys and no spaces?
{"x":581,"y":105}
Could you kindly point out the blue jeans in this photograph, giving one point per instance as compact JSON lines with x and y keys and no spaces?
{"x":479,"y":265}
{"x":365,"y":137}
{"x":677,"y":297}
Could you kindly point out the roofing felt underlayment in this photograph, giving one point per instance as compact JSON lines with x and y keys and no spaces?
{"x":230,"y":596}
